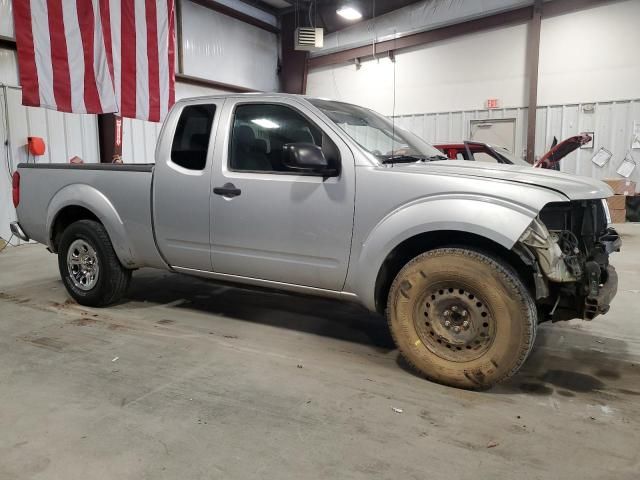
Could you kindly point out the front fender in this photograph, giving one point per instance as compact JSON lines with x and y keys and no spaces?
{"x":86,"y":196}
{"x":493,"y":218}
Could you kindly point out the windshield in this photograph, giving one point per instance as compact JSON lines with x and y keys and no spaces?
{"x":376,"y":134}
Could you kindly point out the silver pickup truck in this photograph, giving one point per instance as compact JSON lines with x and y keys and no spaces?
{"x":326,"y":198}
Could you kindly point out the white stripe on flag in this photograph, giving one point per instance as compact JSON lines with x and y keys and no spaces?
{"x":75,"y":54}
{"x":142,"y":62}
{"x":163,"y":55}
{"x":101,"y":66}
{"x":116,"y":47}
{"x":42,"y":48}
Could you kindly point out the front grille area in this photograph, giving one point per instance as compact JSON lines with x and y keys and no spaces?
{"x":586,"y":219}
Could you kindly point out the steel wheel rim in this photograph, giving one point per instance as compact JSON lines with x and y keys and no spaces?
{"x":82,"y":265}
{"x":455,"y":323}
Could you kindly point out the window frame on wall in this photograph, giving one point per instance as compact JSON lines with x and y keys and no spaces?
{"x":335,"y":162}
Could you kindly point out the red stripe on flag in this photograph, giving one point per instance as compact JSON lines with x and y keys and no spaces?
{"x":128,"y":55}
{"x":172,"y":54}
{"x":152,"y":60}
{"x":59,"y":59}
{"x":105,"y":18}
{"x":86,"y":20}
{"x":26,"y":54}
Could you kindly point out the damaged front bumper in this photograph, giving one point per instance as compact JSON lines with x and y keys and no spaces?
{"x":571,"y":281}
{"x":599,"y":303}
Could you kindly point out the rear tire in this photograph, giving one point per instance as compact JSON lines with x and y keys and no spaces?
{"x":461,"y":318}
{"x":89,"y":267}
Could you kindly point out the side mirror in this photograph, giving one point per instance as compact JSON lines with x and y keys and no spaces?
{"x":307,"y":157}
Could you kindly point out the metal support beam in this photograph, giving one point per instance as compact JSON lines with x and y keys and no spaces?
{"x":203,"y":82}
{"x":293,"y":73}
{"x":533,"y":63}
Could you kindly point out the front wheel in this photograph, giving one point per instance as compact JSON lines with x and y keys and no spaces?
{"x":89,"y":267}
{"x":461,"y":318}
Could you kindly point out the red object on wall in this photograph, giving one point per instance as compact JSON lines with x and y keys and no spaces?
{"x":15,"y":188}
{"x":36,"y":146}
{"x":492,"y":103}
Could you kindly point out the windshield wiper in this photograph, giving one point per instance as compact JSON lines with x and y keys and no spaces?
{"x":412,"y":158}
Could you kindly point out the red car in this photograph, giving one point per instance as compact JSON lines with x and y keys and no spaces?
{"x":470,"y":150}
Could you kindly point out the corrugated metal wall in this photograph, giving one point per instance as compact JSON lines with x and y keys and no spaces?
{"x":66,"y":135}
{"x":612,"y":123}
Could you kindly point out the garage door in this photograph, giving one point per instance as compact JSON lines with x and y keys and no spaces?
{"x":500,"y":132}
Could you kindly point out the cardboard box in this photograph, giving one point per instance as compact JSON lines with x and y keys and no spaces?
{"x":617,"y":202}
{"x":619,"y":216}
{"x":621,"y":186}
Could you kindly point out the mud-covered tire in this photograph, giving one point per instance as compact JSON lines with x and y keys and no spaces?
{"x":499,"y":310}
{"x":112,"y":279}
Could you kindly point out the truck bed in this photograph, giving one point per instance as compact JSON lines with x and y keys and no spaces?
{"x":118,"y":194}
{"x":124,"y":167}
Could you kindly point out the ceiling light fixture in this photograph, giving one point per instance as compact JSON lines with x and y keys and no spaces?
{"x":350,"y":13}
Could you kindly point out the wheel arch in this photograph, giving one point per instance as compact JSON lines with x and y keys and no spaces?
{"x":413,"y":246}
{"x":464,"y":219}
{"x":79,"y":202}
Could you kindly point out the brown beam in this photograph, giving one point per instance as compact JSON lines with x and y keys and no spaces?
{"x":293,"y":72}
{"x":243,"y":17}
{"x":203,"y":82}
{"x":7,"y":43}
{"x":533,"y":63}
{"x":179,"y":44}
{"x":110,"y":137}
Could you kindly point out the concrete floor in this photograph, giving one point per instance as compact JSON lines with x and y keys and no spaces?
{"x":191,"y":380}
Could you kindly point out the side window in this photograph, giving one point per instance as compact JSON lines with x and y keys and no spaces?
{"x":191,"y":140}
{"x":261,"y":130}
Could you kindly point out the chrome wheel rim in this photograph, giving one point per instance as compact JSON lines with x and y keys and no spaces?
{"x":82,"y":264}
{"x":455,"y":323}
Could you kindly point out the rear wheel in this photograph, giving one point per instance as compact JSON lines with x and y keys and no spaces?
{"x":461,"y":318}
{"x":89,"y":267}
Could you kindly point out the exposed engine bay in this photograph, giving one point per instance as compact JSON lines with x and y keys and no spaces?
{"x":570,"y":243}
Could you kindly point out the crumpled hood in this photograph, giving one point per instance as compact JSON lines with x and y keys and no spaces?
{"x":572,"y":186}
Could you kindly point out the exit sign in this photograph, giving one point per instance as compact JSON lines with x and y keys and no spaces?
{"x":492,"y":103}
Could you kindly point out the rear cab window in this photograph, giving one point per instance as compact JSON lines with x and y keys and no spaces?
{"x":191,"y":139}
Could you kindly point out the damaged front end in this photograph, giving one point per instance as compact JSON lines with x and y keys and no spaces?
{"x":568,"y":247}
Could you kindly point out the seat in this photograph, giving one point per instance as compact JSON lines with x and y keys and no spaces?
{"x":246,"y":155}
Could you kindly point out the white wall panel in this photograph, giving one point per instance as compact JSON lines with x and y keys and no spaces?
{"x":612,"y":123}
{"x":6,"y":18}
{"x":456,"y":74}
{"x":591,"y":55}
{"x":8,"y":67}
{"x":65,"y":135}
{"x":221,"y":48}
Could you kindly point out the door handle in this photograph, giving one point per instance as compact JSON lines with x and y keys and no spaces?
{"x":227,"y":190}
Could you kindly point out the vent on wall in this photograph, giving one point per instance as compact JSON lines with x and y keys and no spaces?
{"x":309,"y":38}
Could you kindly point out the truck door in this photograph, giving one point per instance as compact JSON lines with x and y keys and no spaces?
{"x":268,"y":221}
{"x":182,"y":185}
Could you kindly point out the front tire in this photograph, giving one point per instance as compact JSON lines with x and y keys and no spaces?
{"x":461,"y":318}
{"x":89,"y":267}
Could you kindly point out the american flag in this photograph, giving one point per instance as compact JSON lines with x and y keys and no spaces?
{"x":97,"y":56}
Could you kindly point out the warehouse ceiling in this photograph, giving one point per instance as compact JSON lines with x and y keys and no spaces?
{"x":323,"y":12}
